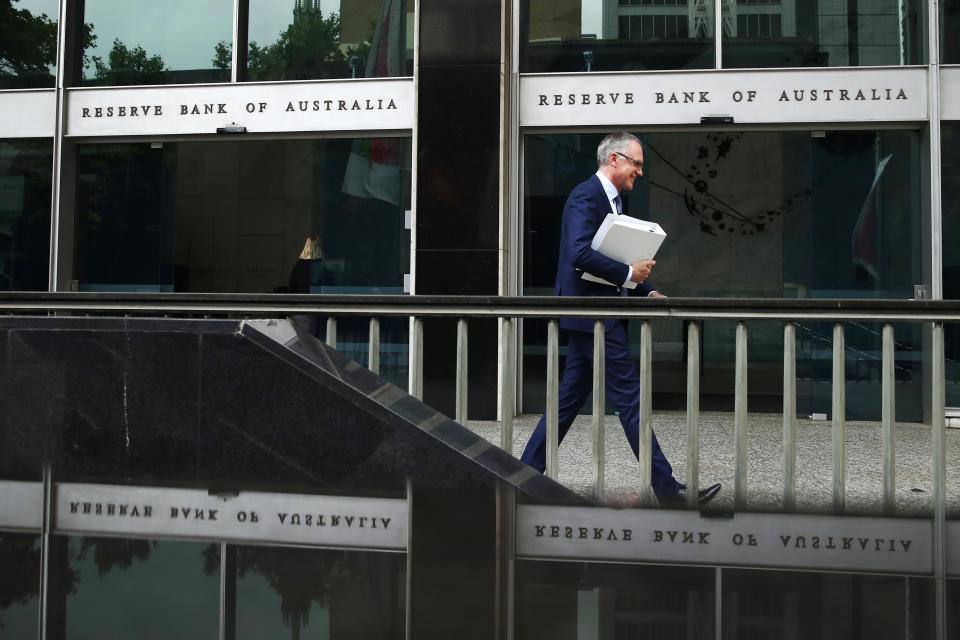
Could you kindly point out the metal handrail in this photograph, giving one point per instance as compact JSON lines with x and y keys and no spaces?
{"x":426,"y":306}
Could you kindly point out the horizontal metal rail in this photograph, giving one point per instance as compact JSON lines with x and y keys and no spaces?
{"x":272,"y":305}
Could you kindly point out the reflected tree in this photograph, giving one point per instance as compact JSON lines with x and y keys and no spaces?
{"x":119,"y":553}
{"x":301,"y":578}
{"x":20,"y":581}
{"x":309,"y":48}
{"x":28,"y":44}
{"x":125,"y":66}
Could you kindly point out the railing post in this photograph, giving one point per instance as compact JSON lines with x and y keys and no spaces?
{"x":599,"y":408}
{"x":373,"y":349}
{"x":888,"y":415}
{"x":416,"y":358}
{"x":646,"y":412}
{"x":462,"y":377}
{"x":553,"y":383}
{"x":740,"y":419}
{"x":938,"y":428}
{"x":331,"y":332}
{"x":789,"y":417}
{"x":839,"y":410}
{"x":507,"y":386}
{"x":693,"y":412}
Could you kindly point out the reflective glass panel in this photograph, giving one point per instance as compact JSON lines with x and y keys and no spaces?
{"x":950,"y":180}
{"x":779,"y":604}
{"x":832,"y":214}
{"x":950,"y":31}
{"x":128,"y":588}
{"x":827,"y":33}
{"x":596,"y":600}
{"x":26,"y":167}
{"x":299,"y":216}
{"x":19,"y":585}
{"x":340,"y":39}
{"x":953,"y":609}
{"x":616,"y":35}
{"x":28,"y":43}
{"x":133,"y":42}
{"x":319,"y":594}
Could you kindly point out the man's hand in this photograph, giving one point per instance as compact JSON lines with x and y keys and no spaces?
{"x":656,"y":294}
{"x":641,"y":270}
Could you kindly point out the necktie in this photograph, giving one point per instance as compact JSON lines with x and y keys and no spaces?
{"x":619,"y":203}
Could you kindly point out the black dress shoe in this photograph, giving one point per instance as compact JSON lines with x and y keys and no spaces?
{"x":680,"y":497}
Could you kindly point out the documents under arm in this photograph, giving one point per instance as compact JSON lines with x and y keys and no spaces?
{"x":627,"y":240}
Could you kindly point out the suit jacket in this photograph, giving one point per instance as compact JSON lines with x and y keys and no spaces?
{"x":584,"y":211}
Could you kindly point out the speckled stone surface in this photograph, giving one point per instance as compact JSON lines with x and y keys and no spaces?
{"x":863,"y":460}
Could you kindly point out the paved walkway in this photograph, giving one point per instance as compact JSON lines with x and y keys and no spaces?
{"x":864,"y":471}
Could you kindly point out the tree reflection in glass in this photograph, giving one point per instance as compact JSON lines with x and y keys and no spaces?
{"x":19,"y":584}
{"x":121,"y":587}
{"x":140,"y":42}
{"x":349,"y":593}
{"x":28,"y":43}
{"x":352,"y":40}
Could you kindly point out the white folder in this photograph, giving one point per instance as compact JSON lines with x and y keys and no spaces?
{"x":627,"y":240}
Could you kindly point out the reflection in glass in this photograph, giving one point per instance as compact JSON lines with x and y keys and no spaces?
{"x":796,"y":33}
{"x":119,"y":588}
{"x":950,"y":181}
{"x":26,"y":167}
{"x":307,"y":593}
{"x":754,"y":214}
{"x":596,"y":600}
{"x":28,"y":43}
{"x":779,"y":604}
{"x":19,"y":585}
{"x":949,"y":31}
{"x":345,"y":39}
{"x":616,"y":35}
{"x":234,"y":217}
{"x":140,"y":42}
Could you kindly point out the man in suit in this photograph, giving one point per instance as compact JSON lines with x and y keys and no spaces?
{"x":620,"y":163}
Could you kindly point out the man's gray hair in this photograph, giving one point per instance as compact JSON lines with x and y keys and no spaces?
{"x":613,"y":142}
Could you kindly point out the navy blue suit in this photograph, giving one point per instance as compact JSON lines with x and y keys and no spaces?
{"x":583,"y":213}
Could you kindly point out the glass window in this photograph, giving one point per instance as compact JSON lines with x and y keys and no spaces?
{"x":134,"y":42}
{"x":605,"y":35}
{"x":950,"y":180}
{"x":342,"y":39}
{"x":596,"y":600}
{"x":317,"y":593}
{"x":127,"y":588}
{"x":19,"y":585}
{"x":28,"y":43}
{"x":26,"y":167}
{"x":949,"y":31}
{"x":778,"y":604}
{"x":795,"y":33}
{"x":236,"y":216}
{"x":953,"y":609}
{"x":832,"y":214}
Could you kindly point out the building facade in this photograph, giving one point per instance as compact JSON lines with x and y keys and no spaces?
{"x":793,"y":149}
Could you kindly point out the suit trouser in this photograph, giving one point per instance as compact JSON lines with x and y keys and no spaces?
{"x":623,"y":388}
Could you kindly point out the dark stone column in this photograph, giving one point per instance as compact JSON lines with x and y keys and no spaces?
{"x":453,"y":563}
{"x":458,"y":170}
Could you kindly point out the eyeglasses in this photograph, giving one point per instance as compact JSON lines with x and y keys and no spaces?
{"x":636,"y":163}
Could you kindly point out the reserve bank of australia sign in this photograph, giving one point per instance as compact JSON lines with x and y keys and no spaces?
{"x":766,"y":96}
{"x":788,"y":541}
{"x":249,"y":516}
{"x":277,"y":107}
